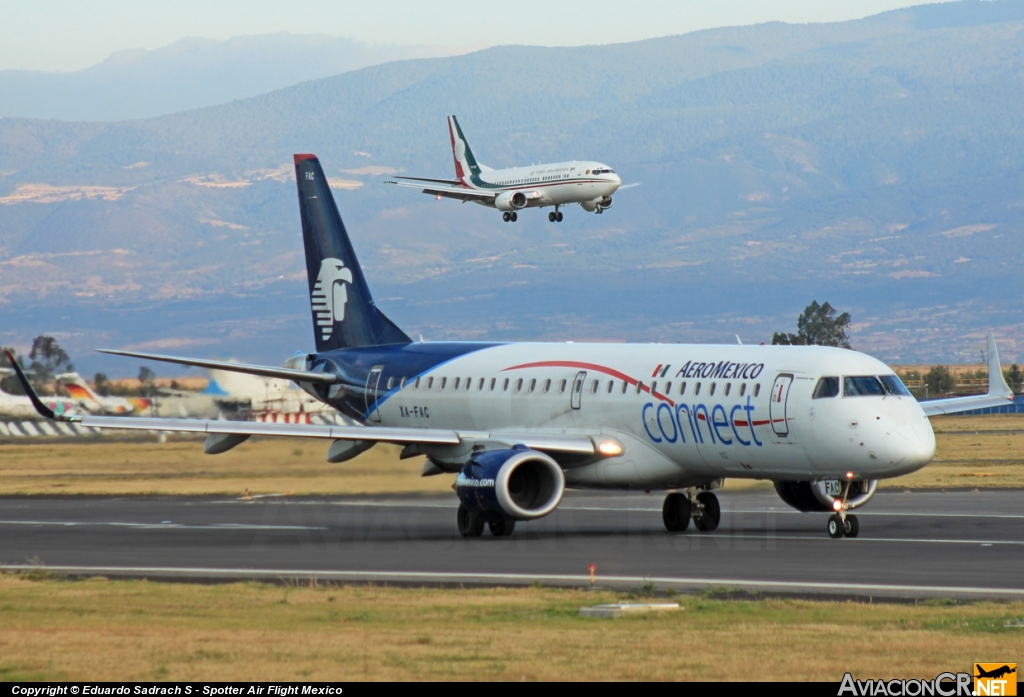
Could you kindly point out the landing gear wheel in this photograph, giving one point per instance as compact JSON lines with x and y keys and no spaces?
{"x":559,"y":216}
{"x":851,"y":527}
{"x":709,"y":513}
{"x":513,"y":216}
{"x":506,"y":216}
{"x":469,"y":524}
{"x":552,"y":217}
{"x":503,"y":527}
{"x":836,"y":528}
{"x":675,"y":512}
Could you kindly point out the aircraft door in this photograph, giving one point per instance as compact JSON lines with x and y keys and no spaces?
{"x":372,"y":381}
{"x":577,"y":388}
{"x":777,"y":405}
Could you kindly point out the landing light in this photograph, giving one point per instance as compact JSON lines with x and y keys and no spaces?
{"x":837,"y":504}
{"x":609,"y":448}
{"x":849,"y":475}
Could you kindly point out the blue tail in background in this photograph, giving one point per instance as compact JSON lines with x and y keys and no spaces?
{"x":344,"y":315}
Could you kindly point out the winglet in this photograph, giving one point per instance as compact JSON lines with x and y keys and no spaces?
{"x":997,"y":386}
{"x":43,"y":410}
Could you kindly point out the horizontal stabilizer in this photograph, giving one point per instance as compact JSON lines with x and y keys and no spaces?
{"x":999,"y":393}
{"x":249,"y":369}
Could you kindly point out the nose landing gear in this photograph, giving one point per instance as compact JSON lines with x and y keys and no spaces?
{"x":841,"y":523}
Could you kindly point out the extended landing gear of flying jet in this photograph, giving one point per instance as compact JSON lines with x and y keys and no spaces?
{"x":702,"y":507}
{"x":509,"y":216}
{"x":555,"y":216}
{"x":473,"y":525}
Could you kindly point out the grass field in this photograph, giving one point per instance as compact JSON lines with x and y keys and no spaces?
{"x":136,"y":630}
{"x":976,"y":451}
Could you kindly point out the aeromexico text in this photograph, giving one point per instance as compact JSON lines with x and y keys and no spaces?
{"x":723,"y":424}
{"x":723,"y":370}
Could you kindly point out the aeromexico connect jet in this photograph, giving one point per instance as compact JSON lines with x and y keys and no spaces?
{"x":520,"y":422}
{"x":590,"y":184}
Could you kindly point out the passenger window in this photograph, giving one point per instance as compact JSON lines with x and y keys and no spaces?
{"x":401,"y":385}
{"x":682,"y":389}
{"x":547,"y":385}
{"x":639,"y":386}
{"x":416,"y":385}
{"x":504,"y":388}
{"x":743,"y":389}
{"x":494,"y":381}
{"x":654,"y":386}
{"x":519,"y":385}
{"x":444,"y":381}
{"x":711,"y":391}
{"x":455,"y":386}
{"x":469,"y":383}
{"x":593,"y":387}
{"x":430,"y":383}
{"x":611,"y":386}
{"x":668,"y":388}
{"x":728,"y":388}
{"x":561,"y":386}
{"x":827,"y":387}
{"x":480,"y":386}
{"x":757,"y":389}
{"x":391,"y":382}
{"x":533,"y":384}
{"x":696,"y":389}
{"x":862,"y":386}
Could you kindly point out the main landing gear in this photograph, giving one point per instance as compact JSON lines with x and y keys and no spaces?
{"x":702,"y":507}
{"x":471,"y":525}
{"x":555,"y":216}
{"x":508,"y":216}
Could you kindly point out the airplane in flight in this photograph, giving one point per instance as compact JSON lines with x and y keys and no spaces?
{"x":518,"y":423}
{"x":590,"y":184}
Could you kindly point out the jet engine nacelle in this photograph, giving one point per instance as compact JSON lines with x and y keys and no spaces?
{"x":812,"y":497}
{"x":597,"y":205}
{"x":519,"y":483}
{"x":510,"y":201}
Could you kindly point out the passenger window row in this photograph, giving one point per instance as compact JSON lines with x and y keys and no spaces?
{"x":546,"y":386}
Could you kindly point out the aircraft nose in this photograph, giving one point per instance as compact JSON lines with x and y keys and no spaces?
{"x":910,"y":446}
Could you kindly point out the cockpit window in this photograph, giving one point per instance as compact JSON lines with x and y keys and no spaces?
{"x":827,"y":387}
{"x":895,"y":386}
{"x":862,"y":386}
{"x":603,"y":171}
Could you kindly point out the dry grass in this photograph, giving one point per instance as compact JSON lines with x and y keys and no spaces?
{"x":179,"y":467}
{"x":974,"y":451}
{"x":136,"y":630}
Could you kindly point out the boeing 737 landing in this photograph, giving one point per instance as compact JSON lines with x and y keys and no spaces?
{"x":518,"y":423}
{"x":590,"y":184}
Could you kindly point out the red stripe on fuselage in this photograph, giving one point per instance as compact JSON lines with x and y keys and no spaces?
{"x":611,"y":372}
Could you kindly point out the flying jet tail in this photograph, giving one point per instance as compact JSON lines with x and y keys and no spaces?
{"x":466,"y":165}
{"x":344,"y":314}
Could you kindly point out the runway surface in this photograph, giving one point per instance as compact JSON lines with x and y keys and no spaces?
{"x":958,"y":544}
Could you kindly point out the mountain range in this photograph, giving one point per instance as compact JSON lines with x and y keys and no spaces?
{"x":877,"y":164}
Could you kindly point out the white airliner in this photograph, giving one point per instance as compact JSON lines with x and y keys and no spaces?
{"x":590,"y":184}
{"x":520,"y":422}
{"x":14,"y":406}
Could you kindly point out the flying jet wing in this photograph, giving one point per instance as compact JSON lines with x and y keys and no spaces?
{"x":248,"y":368}
{"x":999,"y":393}
{"x":627,"y":186}
{"x":452,"y":182}
{"x":574,"y":445}
{"x":460,"y":192}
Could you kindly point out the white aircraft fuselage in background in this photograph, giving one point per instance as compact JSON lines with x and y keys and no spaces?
{"x":590,"y":184}
{"x":519,"y":422}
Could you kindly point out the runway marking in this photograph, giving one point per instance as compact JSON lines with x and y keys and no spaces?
{"x":161,"y":526}
{"x":726,"y":533}
{"x":607,"y":509}
{"x":497,"y":578}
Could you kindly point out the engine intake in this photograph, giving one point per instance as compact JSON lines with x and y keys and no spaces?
{"x":597,"y":205}
{"x":519,"y":483}
{"x":511,"y":201}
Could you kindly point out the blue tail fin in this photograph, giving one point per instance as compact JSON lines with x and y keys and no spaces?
{"x":344,"y":315}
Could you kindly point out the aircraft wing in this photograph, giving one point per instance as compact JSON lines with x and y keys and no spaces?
{"x":248,"y":368}
{"x":627,"y":186}
{"x":458,"y":192}
{"x":999,"y":393}
{"x":450,"y":182}
{"x":575,"y":445}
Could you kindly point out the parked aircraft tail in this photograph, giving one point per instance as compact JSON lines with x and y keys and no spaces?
{"x":465,"y":164}
{"x":344,"y":315}
{"x":79,"y":390}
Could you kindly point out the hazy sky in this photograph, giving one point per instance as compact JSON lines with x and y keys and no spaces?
{"x":71,"y":34}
